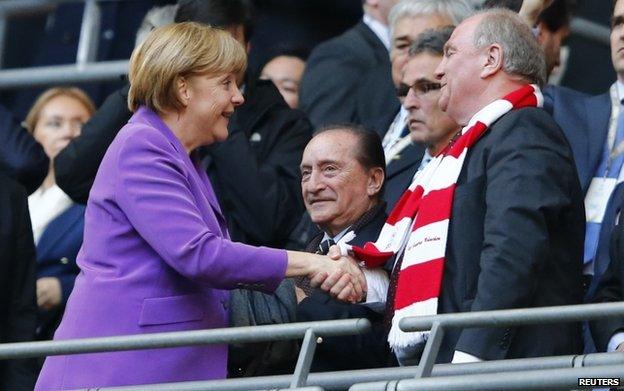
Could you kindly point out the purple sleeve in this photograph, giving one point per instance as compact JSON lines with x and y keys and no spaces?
{"x":154,"y":193}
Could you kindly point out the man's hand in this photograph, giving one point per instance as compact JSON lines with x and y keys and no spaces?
{"x":48,"y":292}
{"x":531,"y":9}
{"x":342,"y":278}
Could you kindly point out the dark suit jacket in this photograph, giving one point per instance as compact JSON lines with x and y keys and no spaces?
{"x":400,"y":172}
{"x":255,"y":172}
{"x":610,"y":289}
{"x":348,"y":79}
{"x":584,"y":120}
{"x":350,"y":352}
{"x":18,"y":307}
{"x":515,"y":238}
{"x":21,"y":157}
{"x":76,"y":165}
{"x":56,"y":257}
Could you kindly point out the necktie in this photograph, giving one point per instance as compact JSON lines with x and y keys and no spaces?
{"x":324,"y":246}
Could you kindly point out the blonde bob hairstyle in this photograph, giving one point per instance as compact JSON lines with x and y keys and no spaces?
{"x":179,"y":50}
{"x":34,"y":114}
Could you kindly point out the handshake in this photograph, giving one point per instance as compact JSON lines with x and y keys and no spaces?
{"x":338,"y":275}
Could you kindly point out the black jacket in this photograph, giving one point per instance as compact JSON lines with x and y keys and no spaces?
{"x":76,"y":165}
{"x":349,"y":352}
{"x":610,"y":289}
{"x":515,"y":238}
{"x":348,"y":79}
{"x":255,"y":172}
{"x":21,"y":157}
{"x":18,"y":307}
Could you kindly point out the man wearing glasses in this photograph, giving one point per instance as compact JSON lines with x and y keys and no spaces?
{"x":427,"y":123}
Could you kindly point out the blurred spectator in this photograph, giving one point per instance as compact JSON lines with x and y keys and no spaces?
{"x":77,"y":164}
{"x":330,"y":87}
{"x":255,"y":172}
{"x":408,"y":19}
{"x":21,"y":157}
{"x":594,"y":128}
{"x":608,"y":333}
{"x":342,"y":179}
{"x":285,"y":69}
{"x":552,"y":24}
{"x":54,"y":120}
{"x":56,"y":39}
{"x":18,"y":307}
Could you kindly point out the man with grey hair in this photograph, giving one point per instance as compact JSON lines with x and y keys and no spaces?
{"x":496,"y":220}
{"x":408,"y":19}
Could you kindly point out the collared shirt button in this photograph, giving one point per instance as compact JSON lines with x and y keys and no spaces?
{"x":64,"y":260}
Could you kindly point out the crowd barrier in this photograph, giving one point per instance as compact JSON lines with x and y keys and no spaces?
{"x":86,"y":69}
{"x":561,"y":372}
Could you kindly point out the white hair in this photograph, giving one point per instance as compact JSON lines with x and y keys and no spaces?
{"x":455,"y":10}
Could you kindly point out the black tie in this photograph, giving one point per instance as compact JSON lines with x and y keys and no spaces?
{"x":324,"y":246}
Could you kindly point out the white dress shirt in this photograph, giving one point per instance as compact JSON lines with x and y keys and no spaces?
{"x":44,"y":206}
{"x":381,"y":30}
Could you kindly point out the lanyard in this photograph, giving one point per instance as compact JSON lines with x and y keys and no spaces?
{"x":614,"y":150}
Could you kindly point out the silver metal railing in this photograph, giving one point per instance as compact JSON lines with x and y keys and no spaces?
{"x":86,"y":69}
{"x":559,"y":378}
{"x":311,"y":332}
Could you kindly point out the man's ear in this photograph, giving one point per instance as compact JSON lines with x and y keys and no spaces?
{"x":182,"y":87}
{"x":375,"y":181}
{"x":493,"y":61}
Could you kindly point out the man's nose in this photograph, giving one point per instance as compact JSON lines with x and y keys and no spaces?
{"x":439,"y":71}
{"x":411,"y":100}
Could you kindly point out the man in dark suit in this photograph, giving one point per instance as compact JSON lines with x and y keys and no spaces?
{"x":254,"y":172}
{"x":514,"y":236}
{"x":594,"y":127}
{"x":609,"y":333}
{"x":18,"y":308}
{"x":336,"y":68}
{"x":342,"y":179}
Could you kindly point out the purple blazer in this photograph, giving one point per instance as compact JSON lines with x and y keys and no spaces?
{"x":156,"y":257}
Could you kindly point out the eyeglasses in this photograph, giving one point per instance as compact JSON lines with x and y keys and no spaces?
{"x":421,"y":87}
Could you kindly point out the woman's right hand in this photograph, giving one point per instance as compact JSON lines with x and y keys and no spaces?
{"x":341,"y":278}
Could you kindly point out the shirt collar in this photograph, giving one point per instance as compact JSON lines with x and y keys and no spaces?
{"x":381,"y":30}
{"x":620,"y":90}
{"x":337,"y":237}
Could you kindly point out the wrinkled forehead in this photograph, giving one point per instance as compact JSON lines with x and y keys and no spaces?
{"x":464,"y":32}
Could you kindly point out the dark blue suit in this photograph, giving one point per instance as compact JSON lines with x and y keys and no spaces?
{"x":56,"y":257}
{"x":585,"y":121}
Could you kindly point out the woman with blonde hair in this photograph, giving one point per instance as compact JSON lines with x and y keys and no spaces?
{"x":156,"y":255}
{"x":54,"y":120}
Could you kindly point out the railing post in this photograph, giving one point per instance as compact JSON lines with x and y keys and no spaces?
{"x":304,"y":361}
{"x":430,"y":352}
{"x":89,"y":33}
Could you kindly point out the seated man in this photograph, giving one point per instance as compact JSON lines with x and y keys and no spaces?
{"x":342,"y":180}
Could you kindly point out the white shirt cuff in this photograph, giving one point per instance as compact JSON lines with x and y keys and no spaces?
{"x":377,"y":283}
{"x":462,"y":358}
{"x":615,"y":341}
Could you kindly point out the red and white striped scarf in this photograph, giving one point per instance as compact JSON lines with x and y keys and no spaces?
{"x":419,"y":222}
